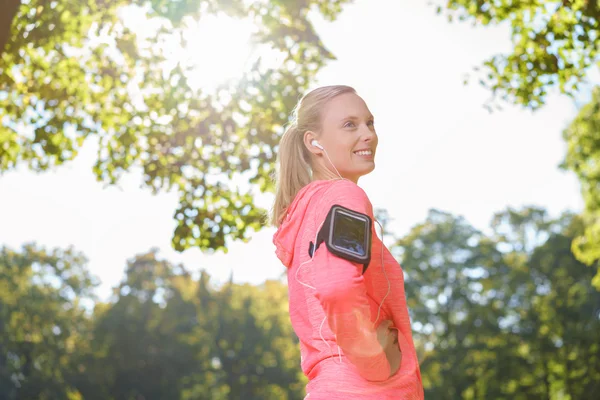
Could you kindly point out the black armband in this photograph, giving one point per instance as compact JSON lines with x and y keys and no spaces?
{"x":347,"y":234}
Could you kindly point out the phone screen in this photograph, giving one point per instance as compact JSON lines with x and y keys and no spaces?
{"x":349,"y":234}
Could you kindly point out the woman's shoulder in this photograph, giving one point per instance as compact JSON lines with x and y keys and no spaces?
{"x":343,"y":193}
{"x":341,"y":190}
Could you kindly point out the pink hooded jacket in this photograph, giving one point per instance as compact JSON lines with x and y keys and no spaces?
{"x":334,"y":312}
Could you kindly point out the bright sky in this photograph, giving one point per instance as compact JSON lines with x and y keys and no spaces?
{"x":439,"y":148}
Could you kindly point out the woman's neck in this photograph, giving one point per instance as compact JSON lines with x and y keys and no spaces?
{"x":329,"y":176}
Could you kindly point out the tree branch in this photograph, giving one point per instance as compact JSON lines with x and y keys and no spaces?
{"x":8,"y":10}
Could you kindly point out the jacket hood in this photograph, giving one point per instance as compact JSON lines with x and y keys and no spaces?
{"x":285,"y":237}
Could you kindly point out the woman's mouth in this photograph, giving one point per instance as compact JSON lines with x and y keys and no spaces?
{"x":364,"y":153}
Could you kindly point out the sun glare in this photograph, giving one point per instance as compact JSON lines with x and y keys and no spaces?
{"x":219,"y":49}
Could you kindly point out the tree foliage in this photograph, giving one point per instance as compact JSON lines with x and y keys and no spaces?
{"x":41,"y":321}
{"x":168,"y":335}
{"x":507,"y":316}
{"x":555,"y":44}
{"x":583,"y":158}
{"x":71,"y":72}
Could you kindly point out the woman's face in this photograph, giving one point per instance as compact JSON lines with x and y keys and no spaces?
{"x":348,"y":135}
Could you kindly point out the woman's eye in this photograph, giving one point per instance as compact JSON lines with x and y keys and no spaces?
{"x":371,"y":123}
{"x":349,"y":124}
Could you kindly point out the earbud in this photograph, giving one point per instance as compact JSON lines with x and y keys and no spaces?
{"x":317,"y":144}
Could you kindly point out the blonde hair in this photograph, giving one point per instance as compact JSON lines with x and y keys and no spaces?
{"x":294,"y":169}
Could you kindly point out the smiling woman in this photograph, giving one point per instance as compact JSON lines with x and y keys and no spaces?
{"x":352,"y":321}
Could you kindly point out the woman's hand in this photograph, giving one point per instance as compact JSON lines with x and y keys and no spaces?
{"x":388,"y":338}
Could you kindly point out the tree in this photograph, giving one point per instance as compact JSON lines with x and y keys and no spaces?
{"x":167,"y":335}
{"x":257,"y":349}
{"x":452,"y":278}
{"x":163,"y":335}
{"x":555,"y":44}
{"x":136,"y":348}
{"x":563,"y":319}
{"x":583,"y":158}
{"x":507,"y":316}
{"x":72,"y":72}
{"x":42,"y":321}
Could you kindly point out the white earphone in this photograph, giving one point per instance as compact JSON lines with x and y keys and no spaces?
{"x":317,"y":144}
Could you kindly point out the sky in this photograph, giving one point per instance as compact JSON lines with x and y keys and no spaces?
{"x":438,"y":148}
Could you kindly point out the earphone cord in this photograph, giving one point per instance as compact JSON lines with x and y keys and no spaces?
{"x":330,"y":162}
{"x":312,"y":287}
{"x":313,"y":255}
{"x":384,"y":273}
{"x":382,"y":233}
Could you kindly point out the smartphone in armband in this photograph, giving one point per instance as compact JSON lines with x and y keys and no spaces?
{"x":347,"y":234}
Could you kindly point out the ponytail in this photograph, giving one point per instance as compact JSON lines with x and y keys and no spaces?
{"x":294,"y":169}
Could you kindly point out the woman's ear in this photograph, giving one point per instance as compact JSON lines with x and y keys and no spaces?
{"x":309,"y":136}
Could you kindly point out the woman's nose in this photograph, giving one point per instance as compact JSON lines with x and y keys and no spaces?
{"x":368,"y":134}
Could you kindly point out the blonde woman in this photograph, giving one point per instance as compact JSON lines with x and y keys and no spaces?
{"x":346,"y":291}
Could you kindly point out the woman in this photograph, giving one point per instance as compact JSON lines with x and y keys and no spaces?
{"x":353,"y":324}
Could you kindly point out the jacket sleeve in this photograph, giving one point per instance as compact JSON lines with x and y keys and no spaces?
{"x":342,"y":293}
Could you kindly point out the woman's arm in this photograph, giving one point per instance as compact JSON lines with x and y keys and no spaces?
{"x":342,"y":293}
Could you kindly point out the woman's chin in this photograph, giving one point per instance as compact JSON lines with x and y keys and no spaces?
{"x":367,"y":171}
{"x":359,"y":173}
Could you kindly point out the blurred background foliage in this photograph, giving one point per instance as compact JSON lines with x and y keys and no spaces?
{"x":510,"y":315}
